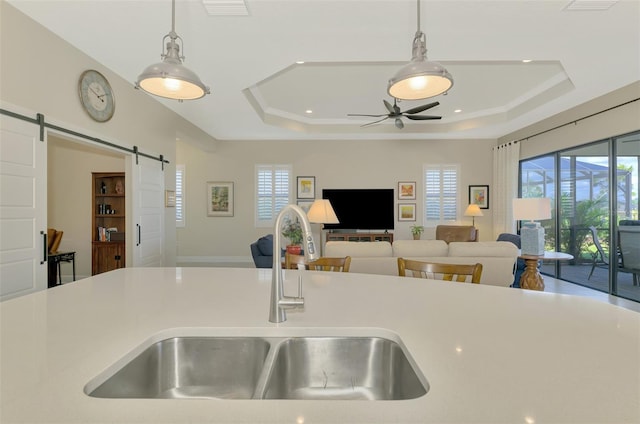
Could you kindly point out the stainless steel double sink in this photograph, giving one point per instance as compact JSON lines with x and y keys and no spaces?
{"x":346,"y":368}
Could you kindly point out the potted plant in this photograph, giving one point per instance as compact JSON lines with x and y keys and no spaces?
{"x":293,"y":231}
{"x":417,"y":230}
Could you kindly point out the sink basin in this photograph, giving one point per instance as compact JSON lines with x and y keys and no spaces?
{"x":348,"y":368}
{"x":190,"y":367}
{"x":308,"y":367}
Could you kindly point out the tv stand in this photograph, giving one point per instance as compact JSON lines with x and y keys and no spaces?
{"x":366,"y":237}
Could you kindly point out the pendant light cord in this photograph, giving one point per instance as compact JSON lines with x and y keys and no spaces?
{"x":418,"y":1}
{"x":173,"y":16}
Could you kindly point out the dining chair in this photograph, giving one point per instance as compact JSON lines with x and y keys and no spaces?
{"x":292,"y":261}
{"x":320,"y":264}
{"x":331,"y":264}
{"x":448,"y":272}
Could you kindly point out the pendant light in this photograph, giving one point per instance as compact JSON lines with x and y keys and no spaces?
{"x":419,"y":79}
{"x":170,"y":78}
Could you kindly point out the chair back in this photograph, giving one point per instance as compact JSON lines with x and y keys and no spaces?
{"x":438,"y":271}
{"x":451,"y":233}
{"x":629,"y":242}
{"x":320,"y":264}
{"x":331,"y":264}
{"x":294,"y":261}
{"x":596,"y":241}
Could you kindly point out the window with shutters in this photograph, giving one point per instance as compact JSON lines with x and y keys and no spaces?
{"x":273,"y":192}
{"x":441,"y":194}
{"x":180,"y":222}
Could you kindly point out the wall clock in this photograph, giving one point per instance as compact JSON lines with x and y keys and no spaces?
{"x":96,"y":95}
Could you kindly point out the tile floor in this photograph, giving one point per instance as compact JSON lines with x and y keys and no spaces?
{"x":563,"y":287}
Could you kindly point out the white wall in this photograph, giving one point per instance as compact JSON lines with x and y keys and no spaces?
{"x":335,"y":164}
{"x":39,"y":72}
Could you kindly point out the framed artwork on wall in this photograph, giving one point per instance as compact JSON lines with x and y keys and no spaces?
{"x":479,"y":195}
{"x":170,"y":198}
{"x":406,"y":211}
{"x":406,"y":190}
{"x":305,"y":205}
{"x":306,"y":187}
{"x":220,"y":198}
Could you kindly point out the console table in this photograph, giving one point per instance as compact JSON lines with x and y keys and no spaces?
{"x":55,"y":259}
{"x":366,"y":237}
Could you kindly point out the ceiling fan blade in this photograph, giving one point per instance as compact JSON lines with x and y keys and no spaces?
{"x":399,"y":124}
{"x":374,"y":122}
{"x":388,"y":106}
{"x":422,"y":108}
{"x":422,"y":117}
{"x":358,"y":114}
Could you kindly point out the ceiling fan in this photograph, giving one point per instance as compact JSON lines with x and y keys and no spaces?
{"x":397,"y":114}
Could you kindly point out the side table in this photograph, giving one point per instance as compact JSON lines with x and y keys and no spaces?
{"x":531,"y":278}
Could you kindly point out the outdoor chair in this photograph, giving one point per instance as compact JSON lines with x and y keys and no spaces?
{"x":629,"y":242}
{"x":599,"y":257}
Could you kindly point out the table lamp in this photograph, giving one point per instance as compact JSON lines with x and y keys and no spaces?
{"x":531,"y":233}
{"x":473,"y":210}
{"x":321,"y":212}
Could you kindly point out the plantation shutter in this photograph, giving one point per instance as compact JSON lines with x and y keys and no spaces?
{"x":180,"y":222}
{"x":273,"y":190}
{"x":441,"y":193}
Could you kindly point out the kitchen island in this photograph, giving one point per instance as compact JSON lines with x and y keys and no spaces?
{"x":490,"y":354}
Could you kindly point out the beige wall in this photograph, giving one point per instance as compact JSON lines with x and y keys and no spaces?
{"x":335,"y":164}
{"x":614,"y":121}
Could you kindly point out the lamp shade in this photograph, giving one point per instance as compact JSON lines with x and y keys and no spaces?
{"x":321,"y":212}
{"x":172,"y":80}
{"x":473,"y":210}
{"x":420,"y":79}
{"x":533,"y":208}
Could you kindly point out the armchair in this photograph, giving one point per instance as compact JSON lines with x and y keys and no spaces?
{"x":262,"y":251}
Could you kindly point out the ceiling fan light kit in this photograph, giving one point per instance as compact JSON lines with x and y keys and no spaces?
{"x":170,"y":78}
{"x":420,"y":78}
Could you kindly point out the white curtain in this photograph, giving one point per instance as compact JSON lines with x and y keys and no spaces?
{"x":505,"y":186}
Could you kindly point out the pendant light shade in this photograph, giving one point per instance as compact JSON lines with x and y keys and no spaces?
{"x":420,"y":78}
{"x":170,"y":78}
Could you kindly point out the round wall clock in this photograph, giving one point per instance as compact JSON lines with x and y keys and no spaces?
{"x":96,"y":95}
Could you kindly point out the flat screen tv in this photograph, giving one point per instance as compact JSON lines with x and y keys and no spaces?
{"x":361,"y":209}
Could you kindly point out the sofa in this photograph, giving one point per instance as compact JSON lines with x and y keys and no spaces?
{"x":498,"y":258}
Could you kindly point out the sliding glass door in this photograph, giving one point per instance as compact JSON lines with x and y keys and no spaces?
{"x":584,"y":184}
{"x":627,"y":163}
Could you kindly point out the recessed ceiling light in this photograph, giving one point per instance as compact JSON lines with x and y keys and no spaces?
{"x":308,"y":111}
{"x":457,"y":111}
{"x":300,"y":62}
{"x":590,"y":5}
{"x":226,"y":7}
{"x":526,"y":60}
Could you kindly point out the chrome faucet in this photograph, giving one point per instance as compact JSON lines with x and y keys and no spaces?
{"x":279,"y":302}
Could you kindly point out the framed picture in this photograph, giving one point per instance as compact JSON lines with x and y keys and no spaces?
{"x":406,"y":211}
{"x":220,"y":198}
{"x":406,"y":190}
{"x":170,"y":198}
{"x":305,"y":205}
{"x":306,"y":187}
{"x":479,"y":195}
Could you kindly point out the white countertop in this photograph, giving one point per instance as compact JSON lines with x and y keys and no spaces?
{"x":490,"y":354}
